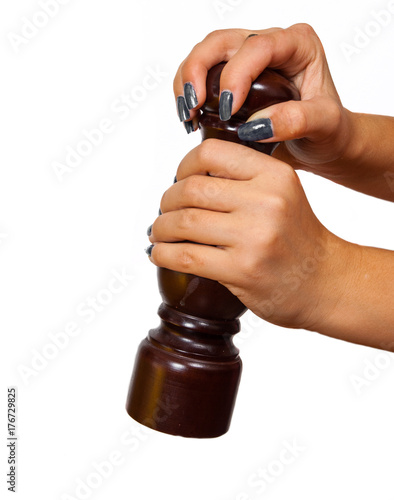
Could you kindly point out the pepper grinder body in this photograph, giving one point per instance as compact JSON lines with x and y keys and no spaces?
{"x":187,"y":370}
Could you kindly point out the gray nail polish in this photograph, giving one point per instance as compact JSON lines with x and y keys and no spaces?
{"x":160,"y":212}
{"x":183,"y":112}
{"x":149,"y":230}
{"x":175,"y":180}
{"x":148,"y":250}
{"x":189,"y":127}
{"x":190,"y":95}
{"x":225,"y":105}
{"x":256,"y":130}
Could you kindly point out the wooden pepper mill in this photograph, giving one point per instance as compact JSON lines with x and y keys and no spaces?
{"x":187,"y":371}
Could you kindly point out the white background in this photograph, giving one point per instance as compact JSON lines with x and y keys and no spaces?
{"x":61,"y":242}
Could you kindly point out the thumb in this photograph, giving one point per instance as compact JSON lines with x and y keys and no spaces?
{"x":315,"y":118}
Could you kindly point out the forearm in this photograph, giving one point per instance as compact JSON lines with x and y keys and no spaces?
{"x":358,"y":303}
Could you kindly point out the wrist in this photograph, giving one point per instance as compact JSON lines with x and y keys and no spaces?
{"x":335,"y":279}
{"x":355,"y":303}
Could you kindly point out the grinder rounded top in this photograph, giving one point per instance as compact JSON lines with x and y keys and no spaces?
{"x":269,"y":88}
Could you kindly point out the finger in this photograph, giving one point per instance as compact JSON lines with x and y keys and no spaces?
{"x":202,"y":260}
{"x":223,"y":159}
{"x":191,"y":224}
{"x":315,"y":118}
{"x":290,"y":50}
{"x":200,"y":191}
{"x":192,"y":124}
{"x":218,"y":46}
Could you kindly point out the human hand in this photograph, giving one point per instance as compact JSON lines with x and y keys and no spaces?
{"x":257,"y":234}
{"x":318,"y":130}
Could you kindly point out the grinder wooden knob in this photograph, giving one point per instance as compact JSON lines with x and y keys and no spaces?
{"x":187,"y":370}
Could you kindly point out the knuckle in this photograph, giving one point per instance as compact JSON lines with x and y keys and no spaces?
{"x":253,"y":40}
{"x":303,"y":28}
{"x":309,"y":37}
{"x":187,"y":219}
{"x":186,"y":258}
{"x":223,"y":41}
{"x":269,"y":41}
{"x":191,"y":187}
{"x":188,"y":68}
{"x":217,"y":35}
{"x":211,"y":190}
{"x":272,"y":241}
{"x":295,"y":117}
{"x":289,"y":178}
{"x":265,"y":41}
{"x":249,"y":267}
{"x":205,"y":151}
{"x":278,"y":205}
{"x":276,"y":34}
{"x":259,"y":252}
{"x":267,"y":242}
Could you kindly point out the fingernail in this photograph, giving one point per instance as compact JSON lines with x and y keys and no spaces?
{"x":175,"y":180}
{"x":183,"y":112}
{"x":190,"y":95}
{"x":148,"y":250}
{"x":225,"y":105}
{"x":189,"y":126}
{"x":149,"y":230}
{"x":256,"y":130}
{"x":160,"y":212}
